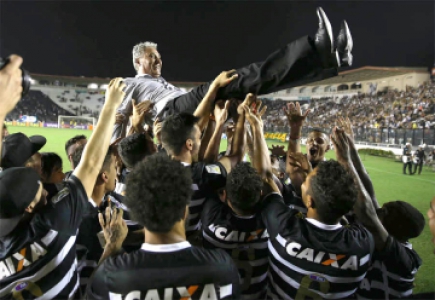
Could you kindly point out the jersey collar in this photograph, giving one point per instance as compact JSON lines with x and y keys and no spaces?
{"x":322,"y":225}
{"x":166,"y":247}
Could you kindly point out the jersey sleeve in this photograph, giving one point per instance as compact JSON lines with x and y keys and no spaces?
{"x":97,"y":288}
{"x":274,"y":213}
{"x":399,"y":258}
{"x":212,"y":206}
{"x":67,"y":207}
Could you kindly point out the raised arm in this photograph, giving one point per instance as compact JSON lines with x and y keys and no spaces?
{"x":356,"y":160}
{"x":295,"y":120}
{"x":10,"y":88}
{"x":212,"y":151}
{"x":205,"y":107}
{"x":237,"y":147}
{"x":95,"y":150}
{"x":205,"y":140}
{"x":364,"y":208}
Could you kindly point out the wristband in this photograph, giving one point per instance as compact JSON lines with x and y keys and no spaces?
{"x":295,"y":139}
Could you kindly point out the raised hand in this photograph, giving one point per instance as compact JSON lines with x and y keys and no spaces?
{"x":114,"y":227}
{"x":139,"y":112}
{"x":347,"y":126}
{"x":341,"y":145}
{"x":10,"y":84}
{"x":114,"y":92}
{"x":119,"y":119}
{"x":294,"y":114}
{"x":221,"y":114}
{"x":277,"y":150}
{"x":225,"y":78}
{"x":252,"y":116}
{"x":249,"y":99}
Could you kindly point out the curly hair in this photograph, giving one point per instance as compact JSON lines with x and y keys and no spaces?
{"x":176,"y":129}
{"x":78,"y":153}
{"x":244,"y":188}
{"x":133,"y":149}
{"x":333,"y":191}
{"x":72,"y":141}
{"x":158,"y":191}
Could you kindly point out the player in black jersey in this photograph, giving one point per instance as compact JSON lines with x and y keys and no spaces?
{"x":236,"y":227}
{"x":70,"y":147}
{"x":167,"y":266}
{"x":315,"y":256}
{"x":37,"y":251}
{"x":181,"y":138}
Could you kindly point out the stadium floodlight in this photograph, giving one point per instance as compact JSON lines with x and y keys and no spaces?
{"x":104,"y":87}
{"x":76,"y":122}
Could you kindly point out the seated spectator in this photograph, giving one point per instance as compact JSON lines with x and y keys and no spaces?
{"x":158,"y":194}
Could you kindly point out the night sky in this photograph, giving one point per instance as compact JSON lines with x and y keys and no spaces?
{"x":197,"y":40}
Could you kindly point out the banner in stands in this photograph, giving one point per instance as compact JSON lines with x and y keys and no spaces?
{"x":278,"y":136}
{"x":48,"y":125}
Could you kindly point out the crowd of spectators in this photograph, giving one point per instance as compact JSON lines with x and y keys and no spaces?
{"x":410,"y":109}
{"x":36,"y":103}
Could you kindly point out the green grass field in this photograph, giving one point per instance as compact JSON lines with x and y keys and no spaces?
{"x":386,"y":175}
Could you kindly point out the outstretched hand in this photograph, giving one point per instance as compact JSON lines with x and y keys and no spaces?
{"x":347,"y":126}
{"x":253,"y":115}
{"x":294,"y":114}
{"x":224,"y":78}
{"x":249,"y":99}
{"x":277,"y":150}
{"x":10,"y":84}
{"x":114,"y":92}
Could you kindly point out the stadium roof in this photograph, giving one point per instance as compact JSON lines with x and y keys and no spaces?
{"x":368,"y":73}
{"x":82,"y":79}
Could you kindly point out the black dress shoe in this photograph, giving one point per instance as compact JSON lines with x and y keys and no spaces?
{"x":324,"y":42}
{"x":345,"y":45}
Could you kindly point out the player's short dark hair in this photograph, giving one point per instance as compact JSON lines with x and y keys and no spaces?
{"x":72,"y":141}
{"x":49,"y":161}
{"x":244,"y":188}
{"x":176,"y":129}
{"x":333,"y":191}
{"x":402,"y":220}
{"x":158,"y":190}
{"x":78,"y":153}
{"x":133,"y":149}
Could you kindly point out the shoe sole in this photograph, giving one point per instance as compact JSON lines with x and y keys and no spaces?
{"x":321,"y":14}
{"x":349,"y":45}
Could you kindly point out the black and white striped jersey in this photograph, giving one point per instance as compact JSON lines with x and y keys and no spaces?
{"x":312,"y":260}
{"x":89,"y":249}
{"x":206,"y":180}
{"x":392,"y":272}
{"x":244,"y":238}
{"x":38,"y":260}
{"x":170,"y":271}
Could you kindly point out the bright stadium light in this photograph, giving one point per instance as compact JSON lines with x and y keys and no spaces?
{"x":92,"y":86}
{"x":104,"y":87}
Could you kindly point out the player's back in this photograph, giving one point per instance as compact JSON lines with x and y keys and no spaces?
{"x":392,"y":272}
{"x":312,"y":259}
{"x":170,"y":271}
{"x":244,"y":238}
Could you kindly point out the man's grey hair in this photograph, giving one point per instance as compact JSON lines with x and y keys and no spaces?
{"x":139,"y":50}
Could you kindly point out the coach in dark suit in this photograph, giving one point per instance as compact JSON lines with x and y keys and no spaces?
{"x":300,"y":62}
